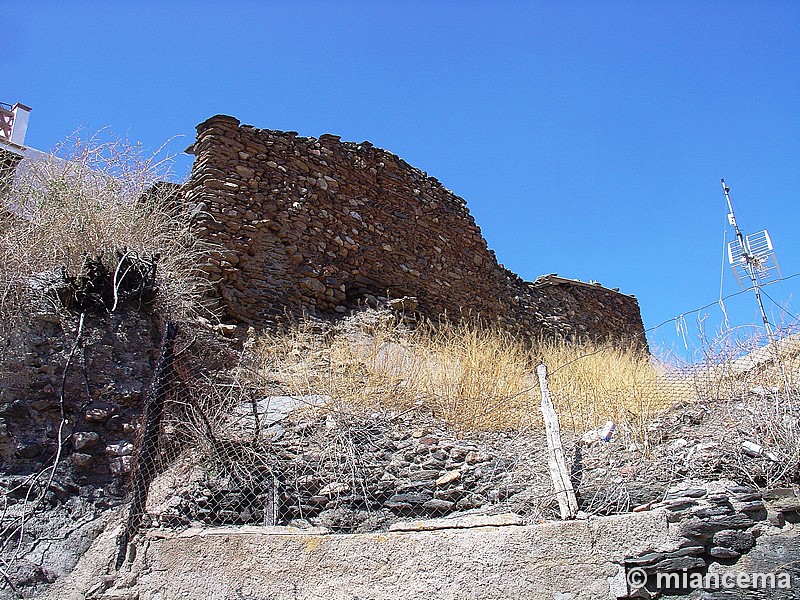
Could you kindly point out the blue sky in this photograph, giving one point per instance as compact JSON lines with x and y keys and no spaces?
{"x":588,"y":138}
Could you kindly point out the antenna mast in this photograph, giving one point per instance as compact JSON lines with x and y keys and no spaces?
{"x":750,"y":253}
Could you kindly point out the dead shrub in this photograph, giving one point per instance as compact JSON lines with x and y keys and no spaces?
{"x":98,"y":199}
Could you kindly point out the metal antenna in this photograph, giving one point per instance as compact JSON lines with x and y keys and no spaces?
{"x":752,"y":256}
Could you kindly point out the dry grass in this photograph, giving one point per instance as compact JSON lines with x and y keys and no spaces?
{"x":592,"y":384}
{"x":88,"y":200}
{"x":472,"y":377}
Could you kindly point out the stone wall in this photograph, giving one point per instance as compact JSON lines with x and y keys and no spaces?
{"x":102,"y":391}
{"x":56,"y":497}
{"x":319,"y":225}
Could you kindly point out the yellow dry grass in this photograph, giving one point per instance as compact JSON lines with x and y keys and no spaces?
{"x":473,"y":377}
{"x":595,"y":383}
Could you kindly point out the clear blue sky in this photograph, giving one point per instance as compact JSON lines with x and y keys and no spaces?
{"x":588,"y":138}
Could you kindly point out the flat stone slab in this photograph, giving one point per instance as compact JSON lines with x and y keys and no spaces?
{"x":479,"y":557}
{"x":246,"y":530}
{"x":273,"y":409}
{"x":464,"y":522}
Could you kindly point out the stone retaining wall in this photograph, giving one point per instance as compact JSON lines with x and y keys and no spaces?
{"x":319,"y":225}
{"x":102,"y":392}
{"x":705,"y":531}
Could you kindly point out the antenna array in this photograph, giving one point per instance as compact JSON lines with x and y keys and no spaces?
{"x":752,"y":258}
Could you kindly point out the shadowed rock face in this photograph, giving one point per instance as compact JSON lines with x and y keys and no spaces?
{"x":318,"y":225}
{"x":101,"y":391}
{"x":8,"y":164}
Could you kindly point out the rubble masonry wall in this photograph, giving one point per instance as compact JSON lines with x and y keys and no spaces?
{"x":317,"y":225}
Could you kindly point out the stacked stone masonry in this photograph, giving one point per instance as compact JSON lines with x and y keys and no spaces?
{"x":319,"y":225}
{"x":102,"y":393}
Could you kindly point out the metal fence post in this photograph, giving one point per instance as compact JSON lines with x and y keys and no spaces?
{"x":145,"y":460}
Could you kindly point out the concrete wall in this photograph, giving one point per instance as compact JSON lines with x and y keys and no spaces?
{"x":479,"y":558}
{"x":316,"y":225}
{"x":575,"y":559}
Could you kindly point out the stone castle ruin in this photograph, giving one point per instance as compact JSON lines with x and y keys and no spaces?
{"x":258,"y":489}
{"x":320,"y":225}
{"x":301,"y":226}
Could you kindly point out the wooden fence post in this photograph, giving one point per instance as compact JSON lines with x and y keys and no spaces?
{"x":556,"y":461}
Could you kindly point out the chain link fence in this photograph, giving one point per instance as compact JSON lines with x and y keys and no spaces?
{"x":249,"y":445}
{"x":229,"y":454}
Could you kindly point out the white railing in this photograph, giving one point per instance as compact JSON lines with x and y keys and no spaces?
{"x":6,"y":122}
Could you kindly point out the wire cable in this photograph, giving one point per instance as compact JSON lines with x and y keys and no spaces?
{"x":784,"y":309}
{"x":679,"y":320}
{"x":716,"y":301}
